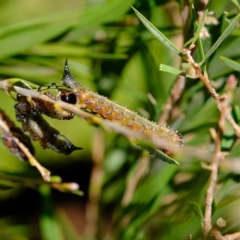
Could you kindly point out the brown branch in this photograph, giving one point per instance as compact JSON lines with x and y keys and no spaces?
{"x":212,"y":91}
{"x":93,"y":222}
{"x":176,"y":93}
{"x":212,"y":184}
{"x":224,"y":108}
{"x":142,"y":168}
{"x":232,"y":236}
{"x":61,"y":186}
{"x":215,"y":232}
{"x":43,"y":171}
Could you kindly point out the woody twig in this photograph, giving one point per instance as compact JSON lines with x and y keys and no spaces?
{"x":214,"y":230}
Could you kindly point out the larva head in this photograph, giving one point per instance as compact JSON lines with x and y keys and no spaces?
{"x":68,"y":97}
{"x":68,"y":80}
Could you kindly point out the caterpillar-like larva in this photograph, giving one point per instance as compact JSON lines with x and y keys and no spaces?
{"x":115,"y":112}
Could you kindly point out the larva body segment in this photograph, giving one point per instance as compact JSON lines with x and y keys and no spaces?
{"x":115,"y":112}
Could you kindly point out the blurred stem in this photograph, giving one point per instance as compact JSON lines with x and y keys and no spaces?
{"x":96,"y":180}
{"x":213,"y":179}
{"x":43,"y":171}
{"x":213,"y":232}
{"x":142,"y":168}
{"x":176,"y":93}
{"x":218,"y":99}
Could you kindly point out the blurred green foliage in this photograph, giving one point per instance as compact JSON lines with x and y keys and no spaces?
{"x":111,"y":52}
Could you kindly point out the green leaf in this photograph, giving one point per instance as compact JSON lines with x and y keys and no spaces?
{"x":49,"y":227}
{"x":5,"y":186}
{"x":236,"y":3}
{"x":159,"y":35}
{"x":67,"y":225}
{"x":197,"y":210}
{"x":71,"y":50}
{"x":173,"y":70}
{"x":199,"y":27}
{"x":94,"y":16}
{"x":225,"y":34}
{"x":64,"y":16}
{"x":154,"y":185}
{"x":157,"y":153}
{"x":22,"y":40}
{"x":231,"y":63}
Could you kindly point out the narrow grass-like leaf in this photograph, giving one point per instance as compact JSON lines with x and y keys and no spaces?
{"x":231,"y":63}
{"x":157,"y":153}
{"x":199,"y":27}
{"x":173,"y":70}
{"x":197,"y":210}
{"x":154,"y":185}
{"x":64,"y":16}
{"x":97,"y":15}
{"x":71,"y":50}
{"x":236,"y":3}
{"x":5,"y":186}
{"x":67,"y":225}
{"x":16,"y":43}
{"x":160,"y":36}
{"x":49,"y":227}
{"x":227,"y":31}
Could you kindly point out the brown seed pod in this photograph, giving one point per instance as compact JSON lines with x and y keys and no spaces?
{"x":9,"y":132}
{"x":28,"y":112}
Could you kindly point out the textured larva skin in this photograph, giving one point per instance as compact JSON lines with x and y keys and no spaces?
{"x":115,"y":112}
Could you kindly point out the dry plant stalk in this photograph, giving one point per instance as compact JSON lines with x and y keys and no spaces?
{"x":19,"y":144}
{"x":210,"y":230}
{"x":141,"y":170}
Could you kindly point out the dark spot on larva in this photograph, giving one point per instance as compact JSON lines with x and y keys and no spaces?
{"x":78,"y":94}
{"x":119,"y":117}
{"x":108,"y":112}
{"x":98,"y":108}
{"x":88,"y":102}
{"x":130,"y":124}
{"x":69,"y":98}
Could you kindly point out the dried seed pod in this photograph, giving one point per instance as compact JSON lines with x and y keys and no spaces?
{"x":28,"y":112}
{"x":9,"y":132}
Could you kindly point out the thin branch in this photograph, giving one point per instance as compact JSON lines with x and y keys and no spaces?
{"x":224,"y":108}
{"x":232,"y":236}
{"x":211,"y":90}
{"x":59,"y":185}
{"x":142,"y":168}
{"x":43,"y":171}
{"x":93,"y":221}
{"x":176,"y":93}
{"x":212,"y":184}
